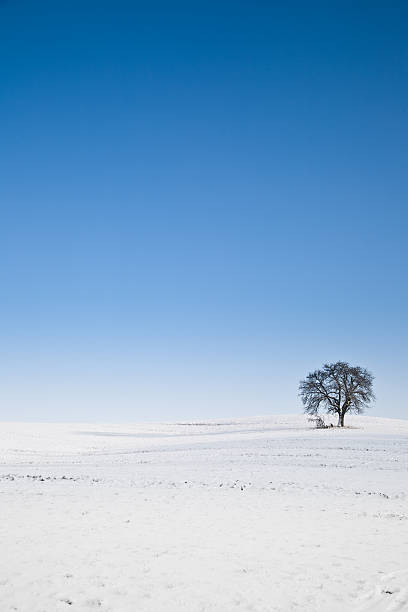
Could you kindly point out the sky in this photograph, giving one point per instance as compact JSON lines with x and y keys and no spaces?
{"x":200,"y":203}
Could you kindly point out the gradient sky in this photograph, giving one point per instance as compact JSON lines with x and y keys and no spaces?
{"x":200,"y":203}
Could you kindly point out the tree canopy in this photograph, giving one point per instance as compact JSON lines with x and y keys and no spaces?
{"x":338,"y":388}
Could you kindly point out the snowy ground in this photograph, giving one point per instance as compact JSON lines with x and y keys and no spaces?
{"x":252,"y":514}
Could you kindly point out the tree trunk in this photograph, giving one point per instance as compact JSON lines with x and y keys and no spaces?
{"x":341,"y":419}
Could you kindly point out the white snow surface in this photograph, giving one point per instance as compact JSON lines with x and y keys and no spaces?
{"x":257,"y":514}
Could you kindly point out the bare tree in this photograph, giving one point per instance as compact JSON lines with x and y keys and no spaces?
{"x":338,"y":388}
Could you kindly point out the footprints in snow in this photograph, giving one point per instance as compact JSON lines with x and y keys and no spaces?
{"x":389,"y":595}
{"x":40,"y":478}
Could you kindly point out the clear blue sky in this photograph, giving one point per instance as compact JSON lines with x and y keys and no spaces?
{"x":200,"y":203}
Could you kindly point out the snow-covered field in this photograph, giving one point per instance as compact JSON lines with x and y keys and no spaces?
{"x":256,"y":514}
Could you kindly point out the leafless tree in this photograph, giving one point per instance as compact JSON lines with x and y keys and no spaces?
{"x":338,"y":388}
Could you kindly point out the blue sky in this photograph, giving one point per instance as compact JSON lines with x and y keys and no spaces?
{"x":200,"y":203}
